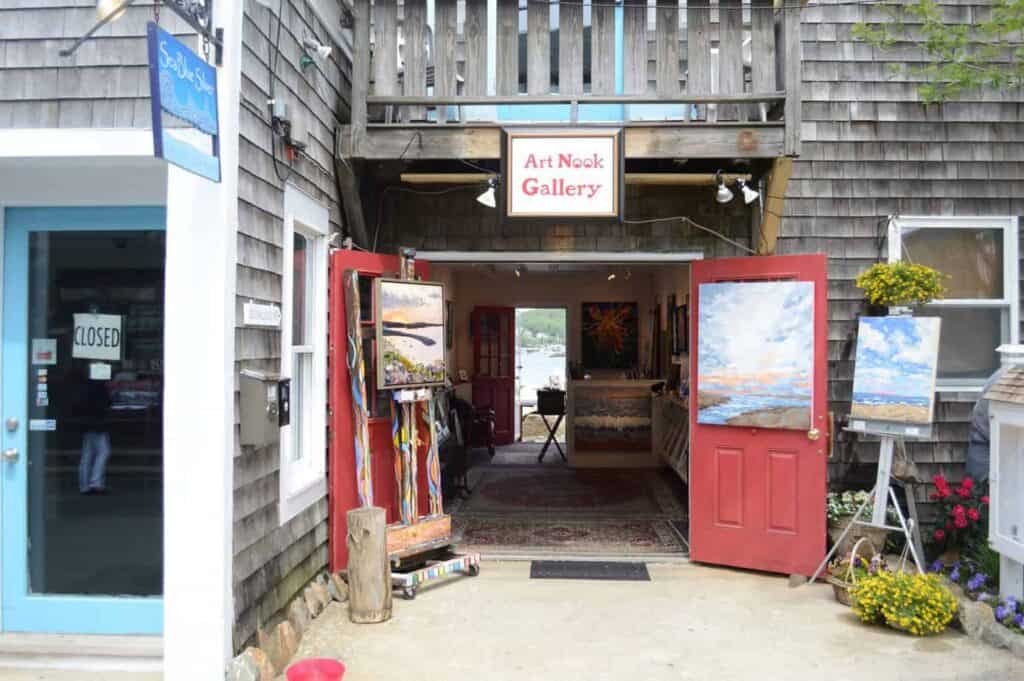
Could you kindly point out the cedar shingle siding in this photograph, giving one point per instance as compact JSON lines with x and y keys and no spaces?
{"x":870,"y":150}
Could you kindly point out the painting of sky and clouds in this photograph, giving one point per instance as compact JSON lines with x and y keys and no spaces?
{"x":410,"y":331}
{"x":894,"y":379}
{"x":755,"y":354}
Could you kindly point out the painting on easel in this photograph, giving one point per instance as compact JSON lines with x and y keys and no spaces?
{"x":410,"y":334}
{"x":894,"y":379}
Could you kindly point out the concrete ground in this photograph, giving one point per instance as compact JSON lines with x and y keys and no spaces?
{"x":22,"y":674}
{"x":689,"y":622}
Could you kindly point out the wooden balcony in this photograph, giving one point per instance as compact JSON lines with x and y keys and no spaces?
{"x":685,"y":79}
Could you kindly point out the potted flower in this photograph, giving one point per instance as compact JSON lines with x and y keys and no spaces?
{"x":963,"y":514}
{"x":894,"y":287}
{"x":840,"y":507}
{"x":914,"y":603}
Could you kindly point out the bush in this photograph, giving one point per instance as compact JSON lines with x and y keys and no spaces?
{"x":918,"y":604}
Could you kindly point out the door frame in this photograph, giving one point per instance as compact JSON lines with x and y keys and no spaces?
{"x":55,"y":613}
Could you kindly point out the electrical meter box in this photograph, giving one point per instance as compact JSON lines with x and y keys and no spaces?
{"x":264,"y":407}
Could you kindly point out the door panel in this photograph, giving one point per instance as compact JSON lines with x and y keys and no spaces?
{"x":494,"y":376}
{"x":341,"y":455}
{"x":757,"y":497}
{"x":82,"y":400}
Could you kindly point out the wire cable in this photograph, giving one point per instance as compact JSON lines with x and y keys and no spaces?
{"x":685,"y":220}
{"x":421,"y":192}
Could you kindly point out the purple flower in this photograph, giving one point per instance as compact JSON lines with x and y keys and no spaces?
{"x":954,"y":576}
{"x":976,"y":581}
{"x":936,"y":566}
{"x":1011,"y":603}
{"x":984,"y":597}
{"x":1001,"y":613}
{"x":1019,"y":621}
{"x":956,"y":565}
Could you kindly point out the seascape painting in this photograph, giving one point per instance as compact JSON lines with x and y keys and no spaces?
{"x":610,"y":335}
{"x":755,"y":352}
{"x":894,"y":378}
{"x":410,"y":334}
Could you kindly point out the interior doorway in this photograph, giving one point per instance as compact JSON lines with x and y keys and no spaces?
{"x":541,"y":334}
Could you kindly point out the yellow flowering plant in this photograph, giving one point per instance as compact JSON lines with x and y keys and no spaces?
{"x":919,"y":604}
{"x":900,"y":283}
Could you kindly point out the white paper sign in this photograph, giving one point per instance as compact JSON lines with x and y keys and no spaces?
{"x":97,"y":336}
{"x":42,"y":424}
{"x":551,"y":174}
{"x":99,"y":371}
{"x":261,"y":314}
{"x":44,"y":351}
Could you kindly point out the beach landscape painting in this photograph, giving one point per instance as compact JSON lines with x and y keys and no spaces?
{"x":755,"y":352}
{"x":894,"y":378}
{"x":410,"y":334}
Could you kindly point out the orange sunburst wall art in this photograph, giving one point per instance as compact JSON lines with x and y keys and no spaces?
{"x":610,"y":335}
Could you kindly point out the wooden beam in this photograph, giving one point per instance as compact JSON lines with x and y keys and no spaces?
{"x":662,"y":179}
{"x":360,"y":66}
{"x":774,"y":202}
{"x":465,"y":100}
{"x":792,"y":51}
{"x":484,"y":142}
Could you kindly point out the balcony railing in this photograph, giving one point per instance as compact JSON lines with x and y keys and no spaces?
{"x":730,"y":63}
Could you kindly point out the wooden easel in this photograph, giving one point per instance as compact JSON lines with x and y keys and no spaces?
{"x":881,"y":494}
{"x":421,"y":542}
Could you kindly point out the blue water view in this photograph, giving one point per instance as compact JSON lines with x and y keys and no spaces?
{"x":738,"y":405}
{"x":880,"y":398}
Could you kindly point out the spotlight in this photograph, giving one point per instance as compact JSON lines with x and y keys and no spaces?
{"x":519,"y":270}
{"x":314,"y":46}
{"x":749,"y":195}
{"x":106,"y":8}
{"x":611,"y":276}
{"x":487,"y":198}
{"x":723,"y":195}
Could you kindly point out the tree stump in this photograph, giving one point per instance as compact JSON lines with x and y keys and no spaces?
{"x":369,"y":572}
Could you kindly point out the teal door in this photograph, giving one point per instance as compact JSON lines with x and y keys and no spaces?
{"x":82,"y":464}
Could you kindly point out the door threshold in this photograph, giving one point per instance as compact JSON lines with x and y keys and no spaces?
{"x":82,"y":652}
{"x":526,"y":557}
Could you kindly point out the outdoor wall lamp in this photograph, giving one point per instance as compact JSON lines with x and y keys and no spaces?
{"x":111,"y":10}
{"x":313,"y":47}
{"x":749,"y":195}
{"x":488,"y":198}
{"x":723,"y":194}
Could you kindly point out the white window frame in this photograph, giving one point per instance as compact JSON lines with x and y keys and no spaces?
{"x":304,"y":481}
{"x":1011,"y":284}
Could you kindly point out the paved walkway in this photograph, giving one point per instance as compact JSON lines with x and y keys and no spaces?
{"x":689,"y":622}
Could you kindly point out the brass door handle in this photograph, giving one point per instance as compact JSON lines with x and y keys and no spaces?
{"x":813,"y":434}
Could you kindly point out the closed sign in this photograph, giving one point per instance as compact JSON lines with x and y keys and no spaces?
{"x":97,"y":336}
{"x":552,"y":174}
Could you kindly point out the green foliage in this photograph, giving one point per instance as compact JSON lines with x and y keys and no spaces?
{"x":537,"y":327}
{"x":987,"y":53}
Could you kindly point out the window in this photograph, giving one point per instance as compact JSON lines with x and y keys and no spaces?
{"x":980,"y":309}
{"x":304,"y":353}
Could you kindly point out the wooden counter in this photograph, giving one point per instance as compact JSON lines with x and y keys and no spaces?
{"x":609,"y":424}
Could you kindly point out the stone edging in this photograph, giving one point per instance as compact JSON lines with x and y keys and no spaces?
{"x":978,"y":620}
{"x":279,"y":645}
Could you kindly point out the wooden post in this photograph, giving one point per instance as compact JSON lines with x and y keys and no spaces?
{"x":792,"y":47}
{"x":357,"y":374}
{"x":360,"y":66}
{"x":369,"y":572}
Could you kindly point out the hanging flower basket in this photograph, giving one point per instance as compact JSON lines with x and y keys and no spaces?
{"x":899,"y":284}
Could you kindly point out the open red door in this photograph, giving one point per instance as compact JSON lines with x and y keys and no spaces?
{"x":341,"y":443}
{"x":758,"y":413}
{"x":494,"y":376}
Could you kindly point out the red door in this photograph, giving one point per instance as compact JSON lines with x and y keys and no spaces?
{"x":341,"y":443}
{"x":494,"y":377}
{"x":757,"y":493}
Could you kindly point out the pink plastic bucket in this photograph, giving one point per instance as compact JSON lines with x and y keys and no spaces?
{"x":316,"y":669}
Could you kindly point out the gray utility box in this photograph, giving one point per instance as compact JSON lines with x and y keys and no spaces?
{"x":264,"y":407}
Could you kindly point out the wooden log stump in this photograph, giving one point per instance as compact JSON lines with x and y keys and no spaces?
{"x":369,"y":572}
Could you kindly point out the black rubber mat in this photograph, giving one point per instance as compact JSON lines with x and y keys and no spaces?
{"x":589,"y":569}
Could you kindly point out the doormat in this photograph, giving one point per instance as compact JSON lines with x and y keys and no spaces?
{"x":589,"y":569}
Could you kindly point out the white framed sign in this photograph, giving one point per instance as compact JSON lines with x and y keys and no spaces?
{"x":97,"y":336}
{"x":570,"y":174}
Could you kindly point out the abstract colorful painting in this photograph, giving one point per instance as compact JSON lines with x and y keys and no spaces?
{"x":610,"y":335}
{"x":755,"y":351}
{"x":410,"y":334}
{"x":894,"y":378}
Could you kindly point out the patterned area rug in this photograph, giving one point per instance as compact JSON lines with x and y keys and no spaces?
{"x":546,"y":490}
{"x":546,"y":511}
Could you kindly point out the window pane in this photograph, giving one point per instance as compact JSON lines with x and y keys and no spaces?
{"x":967,"y":341}
{"x":300,"y":276}
{"x":365,"y":298}
{"x":972,"y":259}
{"x":302,"y":384}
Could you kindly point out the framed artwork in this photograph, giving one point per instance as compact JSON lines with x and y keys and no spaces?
{"x":894,"y":377}
{"x":610,"y":335}
{"x":410,"y":334}
{"x":449,"y":327}
{"x":680,"y":321}
{"x":755,"y":351}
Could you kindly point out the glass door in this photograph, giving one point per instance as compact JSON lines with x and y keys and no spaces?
{"x":82,"y":468}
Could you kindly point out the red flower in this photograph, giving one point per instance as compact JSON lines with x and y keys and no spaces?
{"x":959,"y":510}
{"x":949,"y":524}
{"x":973,"y":514}
{"x":960,"y":521}
{"x":942,"y":493}
{"x":964,"y":493}
{"x":984,"y":500}
{"x":967,"y":483}
{"x":939,"y":535}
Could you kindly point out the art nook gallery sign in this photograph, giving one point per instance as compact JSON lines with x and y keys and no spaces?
{"x":574,"y":173}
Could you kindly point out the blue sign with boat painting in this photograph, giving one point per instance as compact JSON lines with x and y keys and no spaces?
{"x":183,"y":89}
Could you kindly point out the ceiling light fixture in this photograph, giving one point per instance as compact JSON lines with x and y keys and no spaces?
{"x":611,"y":276}
{"x":519,"y":270}
{"x":723,"y":194}
{"x":749,"y":195}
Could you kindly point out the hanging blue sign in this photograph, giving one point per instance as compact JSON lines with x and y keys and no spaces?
{"x":185,"y":86}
